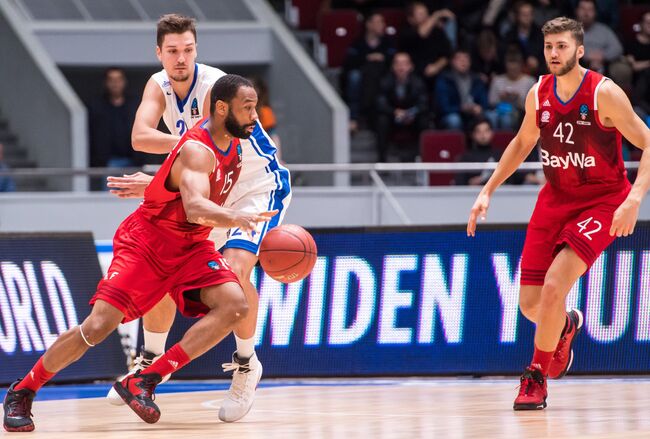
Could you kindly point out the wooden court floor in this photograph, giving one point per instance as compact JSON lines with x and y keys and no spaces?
{"x":408,"y":408}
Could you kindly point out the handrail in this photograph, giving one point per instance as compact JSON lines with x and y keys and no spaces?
{"x":299,"y":167}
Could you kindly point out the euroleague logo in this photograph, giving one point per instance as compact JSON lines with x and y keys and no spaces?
{"x":584,"y":112}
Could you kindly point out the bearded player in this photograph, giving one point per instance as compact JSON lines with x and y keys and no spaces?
{"x":180,"y":95}
{"x":579,"y":116}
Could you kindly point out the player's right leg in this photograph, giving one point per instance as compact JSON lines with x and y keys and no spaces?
{"x":156,"y":324}
{"x":225,"y":305}
{"x":565,"y":270}
{"x":68,"y":348}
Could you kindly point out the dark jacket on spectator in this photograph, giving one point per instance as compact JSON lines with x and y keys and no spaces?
{"x":447,"y":95}
{"x":414,"y":97}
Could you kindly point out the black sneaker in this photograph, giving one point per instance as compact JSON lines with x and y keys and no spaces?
{"x":138,"y":392}
{"x":18,"y":409}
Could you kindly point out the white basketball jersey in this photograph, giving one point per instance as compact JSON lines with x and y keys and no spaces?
{"x":181,"y":115}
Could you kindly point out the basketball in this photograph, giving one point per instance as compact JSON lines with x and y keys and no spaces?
{"x":288,"y":253}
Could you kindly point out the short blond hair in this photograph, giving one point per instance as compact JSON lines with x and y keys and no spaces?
{"x":564,"y":24}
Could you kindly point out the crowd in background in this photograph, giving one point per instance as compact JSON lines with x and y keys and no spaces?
{"x":455,"y":63}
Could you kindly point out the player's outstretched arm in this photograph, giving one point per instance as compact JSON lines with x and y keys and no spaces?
{"x":518,"y":149}
{"x":615,"y":110}
{"x":145,"y":136}
{"x":129,"y":185}
{"x":191,"y":175}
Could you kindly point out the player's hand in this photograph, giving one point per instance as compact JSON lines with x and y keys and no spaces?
{"x":479,"y":210}
{"x":129,"y":185}
{"x":247,"y":222}
{"x":625,"y":218}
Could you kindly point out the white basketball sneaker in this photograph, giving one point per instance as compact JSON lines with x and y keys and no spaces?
{"x":142,"y":361}
{"x":240,"y":397}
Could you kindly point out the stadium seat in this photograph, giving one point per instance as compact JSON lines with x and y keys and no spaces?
{"x":395,"y":20}
{"x":441,"y":147}
{"x":337,"y":30}
{"x":307,"y":13}
{"x":629,"y":21}
{"x":501,"y":139}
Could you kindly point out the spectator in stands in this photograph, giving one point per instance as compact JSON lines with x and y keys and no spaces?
{"x":527,"y":37}
{"x":110,"y":121}
{"x":485,"y":56}
{"x":546,"y":10}
{"x":638,"y":50}
{"x":607,"y":11}
{"x":265,"y":112}
{"x":481,"y":150}
{"x":425,"y":40}
{"x":508,"y":92}
{"x":460,"y":94}
{"x":7,"y":183}
{"x":365,"y":63}
{"x":401,"y":103}
{"x":603,"y":50}
{"x":641,"y":96}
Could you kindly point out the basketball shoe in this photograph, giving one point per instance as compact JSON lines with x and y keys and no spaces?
{"x":563,"y":356}
{"x":532,"y":390}
{"x":18,"y":409}
{"x":239,"y":400}
{"x":138,"y":392}
{"x":144,"y":360}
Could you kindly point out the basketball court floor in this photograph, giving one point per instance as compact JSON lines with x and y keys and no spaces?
{"x":604,"y":407}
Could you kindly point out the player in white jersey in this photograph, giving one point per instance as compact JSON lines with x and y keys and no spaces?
{"x":180,"y":95}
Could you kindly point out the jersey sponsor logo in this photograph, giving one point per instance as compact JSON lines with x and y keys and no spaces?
{"x":546,"y":116}
{"x":166,"y":83}
{"x":195,"y":109}
{"x":546,"y":103}
{"x":578,"y":160}
{"x":239,"y":155}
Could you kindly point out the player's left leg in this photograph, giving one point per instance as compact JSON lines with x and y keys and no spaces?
{"x":565,"y":270}
{"x":247,"y":368}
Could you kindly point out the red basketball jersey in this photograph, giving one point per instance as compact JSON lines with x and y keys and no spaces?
{"x":165,"y":208}
{"x":578,"y":153}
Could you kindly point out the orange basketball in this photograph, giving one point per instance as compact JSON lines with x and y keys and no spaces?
{"x":288,"y":253}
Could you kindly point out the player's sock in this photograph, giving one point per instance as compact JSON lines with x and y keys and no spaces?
{"x":172,"y":360}
{"x":154,"y":342}
{"x":35,"y":378}
{"x":542,"y":360}
{"x":245,"y":347}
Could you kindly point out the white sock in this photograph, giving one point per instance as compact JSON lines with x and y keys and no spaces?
{"x":245,"y":347}
{"x":154,"y":342}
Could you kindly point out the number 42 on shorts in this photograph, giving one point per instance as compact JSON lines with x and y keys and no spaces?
{"x":591,"y":224}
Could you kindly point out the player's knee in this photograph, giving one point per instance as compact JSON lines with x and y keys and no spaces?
{"x":234,"y":309}
{"x":96,"y":328}
{"x":552,"y":294}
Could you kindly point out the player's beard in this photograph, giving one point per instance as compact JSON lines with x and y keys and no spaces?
{"x":180,"y":78}
{"x":570,"y":64}
{"x":236,"y":130}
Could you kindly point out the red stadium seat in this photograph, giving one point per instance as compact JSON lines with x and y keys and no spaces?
{"x":395,"y":19}
{"x":631,"y":17}
{"x":501,"y":139}
{"x":307,"y":13}
{"x":337,"y":30}
{"x":441,"y":147}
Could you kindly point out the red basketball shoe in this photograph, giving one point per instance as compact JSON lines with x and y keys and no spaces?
{"x":563,"y":356}
{"x":532,"y":390}
{"x":138,"y":392}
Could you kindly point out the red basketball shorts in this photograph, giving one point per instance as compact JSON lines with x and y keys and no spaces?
{"x":147,"y":264}
{"x":581,"y":222}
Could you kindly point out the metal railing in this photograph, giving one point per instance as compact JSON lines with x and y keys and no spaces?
{"x":372,"y":169}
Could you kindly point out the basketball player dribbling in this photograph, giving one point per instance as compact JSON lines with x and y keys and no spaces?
{"x":163,"y":247}
{"x":578,"y":116}
{"x":179,"y":94}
